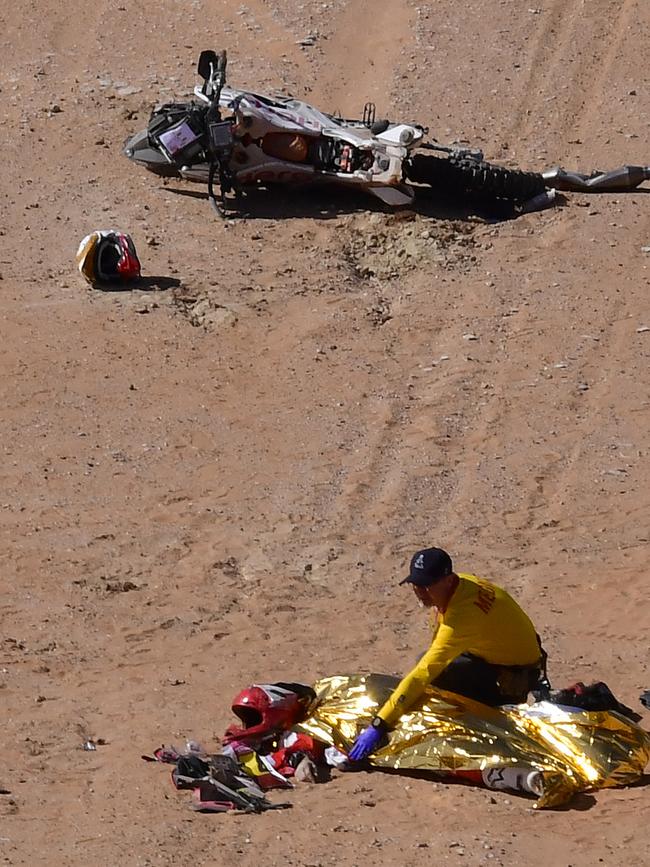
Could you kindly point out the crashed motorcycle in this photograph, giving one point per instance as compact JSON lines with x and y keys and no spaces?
{"x":237,"y":139}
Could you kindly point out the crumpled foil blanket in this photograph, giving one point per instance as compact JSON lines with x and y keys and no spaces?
{"x":574,"y":750}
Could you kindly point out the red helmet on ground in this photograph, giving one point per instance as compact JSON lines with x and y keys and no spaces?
{"x":108,"y":256}
{"x":268,"y":708}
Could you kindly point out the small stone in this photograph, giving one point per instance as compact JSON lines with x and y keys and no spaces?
{"x":642,"y":329}
{"x":121,"y":586}
{"x":306,"y":771}
{"x":470,"y":337}
{"x":128,"y":91}
{"x":583,"y":386}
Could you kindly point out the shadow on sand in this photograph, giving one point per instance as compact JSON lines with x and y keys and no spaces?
{"x":580,"y":802}
{"x":329,"y":203}
{"x":142,"y":284}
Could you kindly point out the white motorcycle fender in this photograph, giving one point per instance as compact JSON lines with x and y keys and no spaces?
{"x":401,"y":134}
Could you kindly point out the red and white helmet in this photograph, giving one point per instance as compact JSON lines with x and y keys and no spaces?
{"x":108,"y":256}
{"x":267,"y":709}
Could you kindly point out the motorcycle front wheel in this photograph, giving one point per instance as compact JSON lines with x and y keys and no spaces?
{"x":467,"y":176}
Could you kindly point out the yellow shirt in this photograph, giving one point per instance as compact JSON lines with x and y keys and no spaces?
{"x":481,"y":619}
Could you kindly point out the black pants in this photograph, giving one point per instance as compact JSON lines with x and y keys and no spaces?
{"x":475,"y":678}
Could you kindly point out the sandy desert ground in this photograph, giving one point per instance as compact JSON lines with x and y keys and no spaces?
{"x":220,"y":478}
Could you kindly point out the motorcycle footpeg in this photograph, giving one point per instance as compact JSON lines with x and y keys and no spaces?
{"x":462,"y":153}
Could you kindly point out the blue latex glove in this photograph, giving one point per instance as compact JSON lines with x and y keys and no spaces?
{"x":366,"y":743}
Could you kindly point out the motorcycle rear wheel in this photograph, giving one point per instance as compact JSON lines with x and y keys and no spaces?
{"x":467,"y":176}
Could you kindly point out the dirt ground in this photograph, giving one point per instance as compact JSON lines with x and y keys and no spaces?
{"x":219,"y":479}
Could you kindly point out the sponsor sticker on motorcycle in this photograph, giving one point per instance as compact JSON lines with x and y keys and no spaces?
{"x":177,"y":138}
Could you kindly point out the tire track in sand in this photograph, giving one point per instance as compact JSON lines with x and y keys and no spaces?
{"x":571,"y":56}
{"x":361,"y":56}
{"x":360,"y":62}
{"x":616,"y":34}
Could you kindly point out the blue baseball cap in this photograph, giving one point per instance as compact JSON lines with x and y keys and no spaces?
{"x":428,"y":566}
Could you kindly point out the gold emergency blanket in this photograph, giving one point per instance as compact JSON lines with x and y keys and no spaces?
{"x":574,"y":750}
